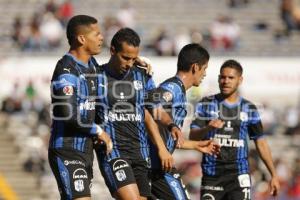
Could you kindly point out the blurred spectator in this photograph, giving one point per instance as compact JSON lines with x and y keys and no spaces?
{"x":34,"y":40}
{"x":111,"y":26}
{"x":224,"y":33}
{"x":51,"y":6}
{"x":51,"y":30}
{"x":65,"y":12}
{"x":16,"y":34}
{"x":164,"y":44}
{"x":126,"y":15}
{"x":181,"y":38}
{"x":290,"y":14}
{"x":237,"y":3}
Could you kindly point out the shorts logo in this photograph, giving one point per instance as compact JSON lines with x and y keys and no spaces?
{"x":244,"y":180}
{"x":138,"y":85}
{"x":208,"y":197}
{"x":120,"y":164}
{"x":79,"y":186}
{"x":73,"y":162}
{"x":176,"y":175}
{"x":121,"y":176}
{"x":68,"y":90}
{"x":80,"y":174}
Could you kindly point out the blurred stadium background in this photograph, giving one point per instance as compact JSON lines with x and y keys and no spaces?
{"x":262,"y":34}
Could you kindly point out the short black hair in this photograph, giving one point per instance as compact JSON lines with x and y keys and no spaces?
{"x":190,"y":54}
{"x":75,"y":23}
{"x":125,"y":35}
{"x":232,"y":64}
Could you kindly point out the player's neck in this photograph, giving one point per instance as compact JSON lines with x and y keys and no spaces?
{"x":186,"y":80}
{"x":233,"y":98}
{"x":80,"y":55}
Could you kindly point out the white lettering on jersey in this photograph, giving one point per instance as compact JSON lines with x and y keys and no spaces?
{"x":122,"y":117}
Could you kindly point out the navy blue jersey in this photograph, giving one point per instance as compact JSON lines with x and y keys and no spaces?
{"x":73,"y":93}
{"x":120,"y":111}
{"x":171,"y":96}
{"x":242,"y":121}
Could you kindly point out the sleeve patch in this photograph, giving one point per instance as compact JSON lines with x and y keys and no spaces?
{"x":68,"y":90}
{"x":167,"y":96}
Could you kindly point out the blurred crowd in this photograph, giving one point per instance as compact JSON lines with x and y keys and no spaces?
{"x":46,"y":28}
{"x":26,"y":118}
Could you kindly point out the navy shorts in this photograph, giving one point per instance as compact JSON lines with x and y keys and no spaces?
{"x":73,"y":171}
{"x":227,"y":187}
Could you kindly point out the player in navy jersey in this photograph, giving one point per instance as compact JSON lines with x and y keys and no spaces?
{"x":230,"y":120}
{"x":120,"y":110}
{"x":170,"y":96}
{"x":73,"y":93}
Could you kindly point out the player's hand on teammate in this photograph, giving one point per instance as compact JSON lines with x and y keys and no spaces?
{"x":208,"y":146}
{"x":216,"y":124}
{"x":177,"y":136}
{"x":104,"y":137}
{"x":144,"y":63}
{"x":166,"y":159}
{"x":274,"y":186}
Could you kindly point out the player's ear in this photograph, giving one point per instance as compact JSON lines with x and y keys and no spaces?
{"x":194,"y":65}
{"x":112,"y":50}
{"x":241,"y":80}
{"x":81,"y":39}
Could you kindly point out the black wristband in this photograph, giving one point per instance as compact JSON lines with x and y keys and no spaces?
{"x":172,"y":125}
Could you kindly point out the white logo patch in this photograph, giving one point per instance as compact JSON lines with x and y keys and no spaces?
{"x":244,"y":180}
{"x":79,"y":186}
{"x":138,"y":85}
{"x":119,"y":164}
{"x":208,"y":197}
{"x":167,"y":96}
{"x":80,"y":174}
{"x":121,"y":176}
{"x":243,"y":116}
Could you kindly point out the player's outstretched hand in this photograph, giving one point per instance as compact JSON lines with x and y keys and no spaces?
{"x":166,"y":159}
{"x":104,"y":137}
{"x":144,"y":63}
{"x":216,"y":123}
{"x":208,"y":146}
{"x":274,"y":186}
{"x":177,"y":136}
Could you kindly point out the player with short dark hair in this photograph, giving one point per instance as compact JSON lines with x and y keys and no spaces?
{"x":230,"y":120}
{"x":170,"y":96}
{"x":122,"y":87}
{"x":73,"y":93}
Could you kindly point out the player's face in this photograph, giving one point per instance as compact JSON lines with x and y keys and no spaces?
{"x":93,"y":40}
{"x":125,"y":58}
{"x":200,"y":73}
{"x":229,"y":81}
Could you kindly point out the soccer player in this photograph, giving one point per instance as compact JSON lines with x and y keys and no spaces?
{"x":73,"y":93}
{"x":120,"y":110}
{"x":230,"y":119}
{"x":170,"y":96}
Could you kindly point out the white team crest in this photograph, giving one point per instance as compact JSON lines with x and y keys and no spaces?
{"x":243,"y":116}
{"x":79,"y":186}
{"x":167,"y":96}
{"x":138,"y":85}
{"x":121,"y":176}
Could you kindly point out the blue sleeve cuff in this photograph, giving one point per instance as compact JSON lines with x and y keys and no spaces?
{"x":257,"y":137}
{"x":93,"y":130}
{"x":193,"y":126}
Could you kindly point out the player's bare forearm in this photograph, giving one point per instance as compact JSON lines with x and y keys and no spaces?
{"x":265,"y":154}
{"x":189,"y":144}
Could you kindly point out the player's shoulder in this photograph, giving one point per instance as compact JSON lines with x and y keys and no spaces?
{"x":141,"y":70}
{"x":66,"y":65}
{"x":249,"y":103}
{"x":209,"y":99}
{"x":172,"y":84}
